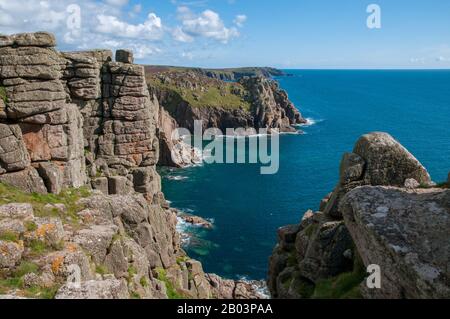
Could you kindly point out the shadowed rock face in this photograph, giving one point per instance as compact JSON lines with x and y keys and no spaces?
{"x":403,"y":229}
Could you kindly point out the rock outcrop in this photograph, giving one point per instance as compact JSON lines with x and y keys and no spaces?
{"x":71,"y":122}
{"x":384,"y":211}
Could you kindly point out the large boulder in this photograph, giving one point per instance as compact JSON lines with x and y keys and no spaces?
{"x":406,"y":233}
{"x":377,"y":159}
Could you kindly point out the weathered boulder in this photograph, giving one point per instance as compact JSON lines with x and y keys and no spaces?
{"x":405,"y":232}
{"x":96,"y":240}
{"x":16,"y":211}
{"x":124,"y":56}
{"x":94,"y":289}
{"x":37,"y":39}
{"x":377,"y":159}
{"x":10,"y":253}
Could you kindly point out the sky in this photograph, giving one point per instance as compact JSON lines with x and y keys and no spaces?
{"x":286,"y":34}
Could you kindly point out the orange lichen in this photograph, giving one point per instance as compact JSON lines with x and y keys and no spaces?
{"x":72,"y":247}
{"x":45,"y":229}
{"x":57,"y":263}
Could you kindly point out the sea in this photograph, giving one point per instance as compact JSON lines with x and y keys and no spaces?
{"x":247,"y":208}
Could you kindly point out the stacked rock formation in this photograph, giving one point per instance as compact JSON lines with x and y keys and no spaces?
{"x":41,"y":133}
{"x":385,"y":211}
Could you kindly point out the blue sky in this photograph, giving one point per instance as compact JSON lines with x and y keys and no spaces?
{"x":228,"y":33}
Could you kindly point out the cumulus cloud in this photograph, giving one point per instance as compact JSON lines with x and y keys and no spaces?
{"x":239,"y":20}
{"x":85,"y":24}
{"x":207,"y":24}
{"x":151,"y":29}
{"x":179,"y":35}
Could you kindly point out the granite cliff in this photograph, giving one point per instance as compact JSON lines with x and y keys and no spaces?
{"x":80,"y":197}
{"x":384,"y":211}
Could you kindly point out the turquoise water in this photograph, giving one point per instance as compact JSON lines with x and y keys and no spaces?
{"x":247,"y":208}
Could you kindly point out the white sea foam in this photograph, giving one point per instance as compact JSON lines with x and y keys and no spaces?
{"x":177,"y":178}
{"x":310,"y":122}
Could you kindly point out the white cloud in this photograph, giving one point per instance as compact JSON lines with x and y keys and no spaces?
{"x":207,"y":24}
{"x":179,"y":35}
{"x":106,"y":24}
{"x":151,"y":29}
{"x":239,"y":20}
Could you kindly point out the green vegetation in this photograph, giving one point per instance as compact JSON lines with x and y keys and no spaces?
{"x":171,"y":290}
{"x":182,"y":259}
{"x":3,"y":94}
{"x":343,"y":286}
{"x":210,"y":93}
{"x":26,"y":267}
{"x":310,"y":230}
{"x":101,"y":270}
{"x":9,"y":236}
{"x":135,"y":295}
{"x":68,"y":197}
{"x":143,"y":281}
{"x":15,"y":283}
{"x":38,"y":247}
{"x":31,"y":226}
{"x":132,"y":272}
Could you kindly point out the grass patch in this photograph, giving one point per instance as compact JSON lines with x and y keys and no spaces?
{"x":9,"y":236}
{"x":99,"y":269}
{"x":38,"y":247}
{"x":143,"y":282}
{"x":68,"y":197}
{"x":182,"y":259}
{"x":31,"y":226}
{"x":343,"y":286}
{"x":171,"y":290}
{"x":26,"y":267}
{"x":40,"y":292}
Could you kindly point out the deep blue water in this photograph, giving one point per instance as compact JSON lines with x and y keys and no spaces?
{"x":247,"y":208}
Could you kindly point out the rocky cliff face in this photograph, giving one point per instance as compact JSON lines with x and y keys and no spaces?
{"x":79,"y":119}
{"x":384,"y":211}
{"x":252,"y":102}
